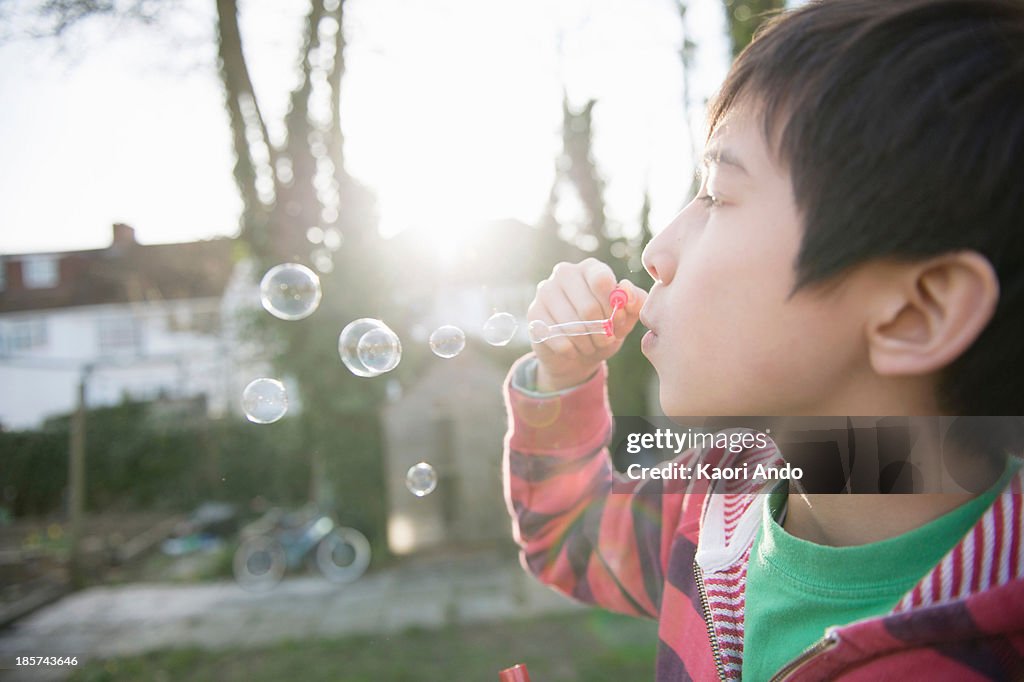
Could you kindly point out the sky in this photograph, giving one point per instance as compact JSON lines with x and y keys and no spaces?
{"x":451,"y":112}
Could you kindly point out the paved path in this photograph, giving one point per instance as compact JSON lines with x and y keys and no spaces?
{"x":113,"y":621}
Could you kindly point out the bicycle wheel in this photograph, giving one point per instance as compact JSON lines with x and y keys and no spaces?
{"x":343,"y":555}
{"x":259,"y":563}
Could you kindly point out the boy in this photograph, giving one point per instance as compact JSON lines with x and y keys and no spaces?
{"x":856,"y":248}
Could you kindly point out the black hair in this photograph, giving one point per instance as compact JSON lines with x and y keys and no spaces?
{"x":902,"y":125}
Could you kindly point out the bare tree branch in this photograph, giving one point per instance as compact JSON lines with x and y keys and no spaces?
{"x":238,"y":87}
{"x":686,"y":57}
{"x":297,"y":119}
{"x":55,"y":18}
{"x":334,"y":77}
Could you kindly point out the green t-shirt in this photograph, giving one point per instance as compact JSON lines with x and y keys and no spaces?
{"x":796,"y":589}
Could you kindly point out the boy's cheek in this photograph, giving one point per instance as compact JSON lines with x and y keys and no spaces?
{"x":730,"y":355}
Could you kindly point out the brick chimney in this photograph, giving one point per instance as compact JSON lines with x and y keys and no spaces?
{"x":124,"y":236}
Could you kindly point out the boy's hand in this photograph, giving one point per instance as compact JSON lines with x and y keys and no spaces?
{"x":580,"y":292}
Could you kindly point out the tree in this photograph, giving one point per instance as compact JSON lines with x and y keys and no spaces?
{"x":745,"y":16}
{"x":576,"y":211}
{"x":288,"y":187}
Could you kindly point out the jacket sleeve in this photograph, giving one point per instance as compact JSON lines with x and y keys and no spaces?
{"x":583,"y":528}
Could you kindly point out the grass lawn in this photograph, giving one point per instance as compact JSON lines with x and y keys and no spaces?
{"x":595,"y":646}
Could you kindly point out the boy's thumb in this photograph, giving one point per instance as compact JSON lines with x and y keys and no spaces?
{"x":636,"y":296}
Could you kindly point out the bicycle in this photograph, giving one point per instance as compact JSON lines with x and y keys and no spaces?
{"x":280,"y":541}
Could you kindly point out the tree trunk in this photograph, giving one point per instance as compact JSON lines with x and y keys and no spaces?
{"x":297,"y":207}
{"x":238,"y":93}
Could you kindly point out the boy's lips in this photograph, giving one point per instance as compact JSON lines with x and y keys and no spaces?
{"x":651,"y":337}
{"x":645,"y":319}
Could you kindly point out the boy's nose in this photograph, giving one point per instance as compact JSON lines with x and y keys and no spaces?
{"x":647,"y":258}
{"x":658,"y":257}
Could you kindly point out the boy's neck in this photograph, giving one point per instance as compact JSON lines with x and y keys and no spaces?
{"x":864,"y":392}
{"x":848,"y":520}
{"x":866,"y":515}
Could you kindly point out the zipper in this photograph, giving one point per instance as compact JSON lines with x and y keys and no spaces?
{"x":712,"y":637}
{"x":830,"y":639}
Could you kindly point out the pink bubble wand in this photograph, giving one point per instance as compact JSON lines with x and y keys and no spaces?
{"x":541,"y":331}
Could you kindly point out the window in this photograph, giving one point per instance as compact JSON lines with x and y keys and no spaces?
{"x":118,"y":334}
{"x":199,"y":320}
{"x":17,"y":336}
{"x":207,"y":322}
{"x":40,"y":272}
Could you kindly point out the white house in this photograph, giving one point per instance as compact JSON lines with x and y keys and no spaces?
{"x":139,"y":321}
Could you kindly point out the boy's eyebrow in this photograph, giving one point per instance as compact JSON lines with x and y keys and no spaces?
{"x":721,"y":155}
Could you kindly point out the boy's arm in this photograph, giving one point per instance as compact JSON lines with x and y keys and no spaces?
{"x":577,"y":535}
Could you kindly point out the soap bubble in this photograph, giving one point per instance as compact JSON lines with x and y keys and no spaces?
{"x":500,"y":328}
{"x":421,"y":479}
{"x":348,"y":347}
{"x":290,"y":291}
{"x":322,"y":260}
{"x":447,"y":341}
{"x":264,"y":401}
{"x":379,"y":350}
{"x":539,"y":331}
{"x":333,"y":239}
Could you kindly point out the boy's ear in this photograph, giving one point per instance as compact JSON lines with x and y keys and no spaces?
{"x":930,"y":313}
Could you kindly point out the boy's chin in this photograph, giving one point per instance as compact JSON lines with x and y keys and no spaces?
{"x":674,"y":406}
{"x":682,"y":408}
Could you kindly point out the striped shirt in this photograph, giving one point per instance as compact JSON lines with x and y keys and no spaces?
{"x":670,"y":550}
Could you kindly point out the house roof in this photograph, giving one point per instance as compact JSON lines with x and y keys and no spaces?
{"x":124,"y":272}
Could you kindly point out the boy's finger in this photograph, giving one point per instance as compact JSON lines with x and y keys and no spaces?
{"x":556,"y":346}
{"x":588,"y":303}
{"x":636,"y":297}
{"x":601,"y":280}
{"x":563,"y":310}
{"x":630,"y":314}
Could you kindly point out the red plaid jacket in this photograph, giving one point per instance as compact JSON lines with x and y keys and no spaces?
{"x":669,"y":550}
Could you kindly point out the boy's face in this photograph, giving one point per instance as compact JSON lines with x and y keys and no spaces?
{"x":726,"y":338}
